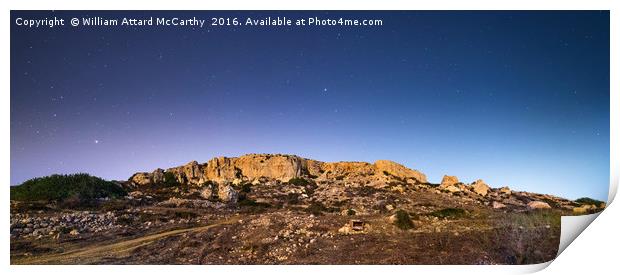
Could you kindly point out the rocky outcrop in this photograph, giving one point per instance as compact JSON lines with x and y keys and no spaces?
{"x":448,"y":180}
{"x":258,"y":167}
{"x":399,"y":170}
{"x":480,"y":188}
{"x":451,"y":184}
{"x":191,"y":173}
{"x":141,"y":178}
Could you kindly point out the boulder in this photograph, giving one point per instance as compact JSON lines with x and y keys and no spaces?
{"x":498,"y":205}
{"x":452,"y":189}
{"x":480,"y":188}
{"x":505,"y":190}
{"x":538,"y":205}
{"x":207,"y":192}
{"x":141,"y":178}
{"x":227,"y":194}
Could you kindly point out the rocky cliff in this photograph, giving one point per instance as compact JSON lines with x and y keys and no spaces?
{"x":265,"y":167}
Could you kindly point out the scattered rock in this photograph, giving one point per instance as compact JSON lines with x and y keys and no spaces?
{"x":498,"y":205}
{"x":505,"y":190}
{"x":538,"y":205}
{"x":452,"y":189}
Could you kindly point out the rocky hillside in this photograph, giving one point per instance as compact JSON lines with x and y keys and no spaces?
{"x":265,"y":167}
{"x":284,"y":209}
{"x":257,"y":169}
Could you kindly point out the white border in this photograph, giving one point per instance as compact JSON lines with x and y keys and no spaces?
{"x":310,"y":5}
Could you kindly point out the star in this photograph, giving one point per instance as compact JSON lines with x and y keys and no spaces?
{"x":96,"y":141}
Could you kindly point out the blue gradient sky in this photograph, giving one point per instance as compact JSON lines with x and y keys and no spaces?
{"x":515,"y":98}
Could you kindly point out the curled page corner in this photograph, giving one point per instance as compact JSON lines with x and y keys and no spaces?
{"x":613,"y":188}
{"x":572,"y":226}
{"x":533,"y":268}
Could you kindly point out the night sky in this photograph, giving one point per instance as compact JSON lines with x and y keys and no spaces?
{"x":515,"y":98}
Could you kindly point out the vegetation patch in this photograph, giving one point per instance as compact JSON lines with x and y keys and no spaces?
{"x":253,"y":206}
{"x":317,"y":208}
{"x":299,"y":182}
{"x":185,"y":215}
{"x":61,"y":187}
{"x":589,"y":201}
{"x":449,"y":213}
{"x":403,"y":221}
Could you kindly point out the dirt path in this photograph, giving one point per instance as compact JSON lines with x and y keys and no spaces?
{"x":93,"y":253}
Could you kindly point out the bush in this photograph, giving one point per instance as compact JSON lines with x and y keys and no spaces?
{"x":60,"y":187}
{"x":249,"y":202}
{"x":114,"y":205}
{"x":185,"y":215}
{"x":351,"y":212}
{"x":170,"y":180}
{"x":246,"y":188}
{"x":449,"y":213}
{"x":317,"y":208}
{"x":403,"y":221}
{"x":292,"y":198}
{"x":253,"y":206}
{"x":589,"y":201}
{"x":298,"y":182}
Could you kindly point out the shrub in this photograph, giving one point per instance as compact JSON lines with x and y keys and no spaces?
{"x":253,"y":206}
{"x":114,"y":205}
{"x":170,"y":180}
{"x":298,"y":182}
{"x":449,"y":213}
{"x":185,"y":215}
{"x":246,"y":188}
{"x":317,"y":208}
{"x":589,"y":201}
{"x":60,"y":187}
{"x":292,"y":198}
{"x":351,"y":212}
{"x":249,"y":202}
{"x":403,"y":221}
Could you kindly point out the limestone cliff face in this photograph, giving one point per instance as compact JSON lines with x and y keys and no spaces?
{"x":276,"y":167}
{"x":255,"y":166}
